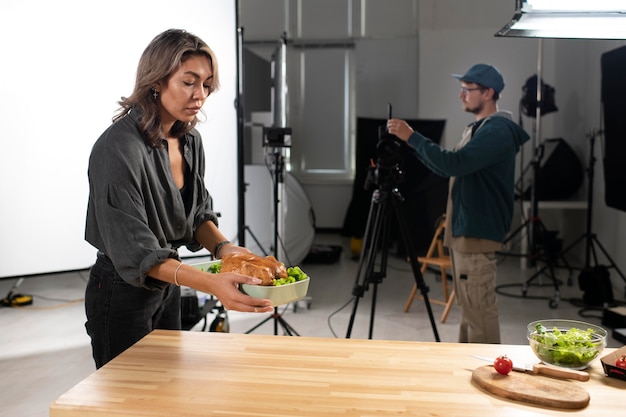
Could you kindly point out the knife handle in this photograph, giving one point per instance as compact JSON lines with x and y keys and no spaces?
{"x":539,"y":368}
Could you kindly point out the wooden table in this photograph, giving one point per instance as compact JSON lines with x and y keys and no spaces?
{"x":171,"y":373}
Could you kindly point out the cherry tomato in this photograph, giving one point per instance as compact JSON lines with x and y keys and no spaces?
{"x":621,"y":362}
{"x":503,"y":365}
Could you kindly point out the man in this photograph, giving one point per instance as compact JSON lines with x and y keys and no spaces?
{"x":480,"y":203}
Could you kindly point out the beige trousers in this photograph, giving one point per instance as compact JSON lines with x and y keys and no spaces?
{"x":475,"y":289}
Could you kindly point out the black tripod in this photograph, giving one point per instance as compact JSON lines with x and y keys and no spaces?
{"x":589,"y":237}
{"x":543,"y":246}
{"x":377,"y":233}
{"x":275,"y":139}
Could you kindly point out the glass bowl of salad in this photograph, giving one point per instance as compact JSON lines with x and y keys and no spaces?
{"x":567,"y":344}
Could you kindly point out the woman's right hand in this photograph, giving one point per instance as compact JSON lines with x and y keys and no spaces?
{"x":225,"y":286}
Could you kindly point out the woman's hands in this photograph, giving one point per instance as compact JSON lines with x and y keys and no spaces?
{"x":225,"y":285}
{"x":232,"y":298}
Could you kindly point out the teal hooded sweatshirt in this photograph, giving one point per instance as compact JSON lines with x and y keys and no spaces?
{"x":484,"y":170}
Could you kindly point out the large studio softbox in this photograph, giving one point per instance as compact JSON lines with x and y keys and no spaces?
{"x":613,"y":66}
{"x":559,"y":175}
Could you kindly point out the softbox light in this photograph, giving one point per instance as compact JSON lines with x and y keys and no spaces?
{"x":528,"y":103}
{"x":613,"y":65}
{"x":573,"y":19}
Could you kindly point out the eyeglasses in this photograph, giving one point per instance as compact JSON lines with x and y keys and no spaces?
{"x":465,"y":90}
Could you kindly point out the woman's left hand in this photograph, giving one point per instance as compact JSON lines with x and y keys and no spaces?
{"x":225,"y":250}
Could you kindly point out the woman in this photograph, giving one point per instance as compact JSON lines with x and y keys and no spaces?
{"x":148,"y":198}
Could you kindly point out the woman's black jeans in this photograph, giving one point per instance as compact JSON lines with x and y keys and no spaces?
{"x":119,"y":314}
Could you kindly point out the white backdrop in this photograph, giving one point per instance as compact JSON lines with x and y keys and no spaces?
{"x":64,"y":65}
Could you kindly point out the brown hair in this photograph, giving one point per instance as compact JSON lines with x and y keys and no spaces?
{"x":161,"y":58}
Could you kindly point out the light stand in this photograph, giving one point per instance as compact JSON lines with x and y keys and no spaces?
{"x":538,"y":240}
{"x":276,"y":138}
{"x":242,"y":227}
{"x":589,"y":237}
{"x":533,"y":222}
{"x":240,"y":106}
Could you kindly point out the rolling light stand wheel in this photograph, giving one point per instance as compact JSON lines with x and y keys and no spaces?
{"x":220,"y":324}
{"x":554,"y":302}
{"x":524,"y":289}
{"x":308,"y":300}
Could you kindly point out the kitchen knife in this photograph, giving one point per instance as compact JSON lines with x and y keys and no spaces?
{"x":539,"y":368}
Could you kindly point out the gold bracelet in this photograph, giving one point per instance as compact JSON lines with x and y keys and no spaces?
{"x":176,"y":274}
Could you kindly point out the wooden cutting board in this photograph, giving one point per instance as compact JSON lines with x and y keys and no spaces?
{"x":533,"y":389}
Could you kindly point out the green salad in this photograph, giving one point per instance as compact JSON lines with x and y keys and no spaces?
{"x":571,"y":348}
{"x":294,"y":274}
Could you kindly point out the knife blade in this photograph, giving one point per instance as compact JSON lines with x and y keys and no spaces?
{"x":541,"y":369}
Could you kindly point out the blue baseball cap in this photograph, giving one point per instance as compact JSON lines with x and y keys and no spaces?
{"x":485,"y":75}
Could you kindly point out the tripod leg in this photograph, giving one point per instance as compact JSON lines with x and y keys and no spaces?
{"x":606,"y":254}
{"x":373,"y":312}
{"x":572,"y":245}
{"x":368,"y":251}
{"x":516,"y":232}
{"x":546,"y":252}
{"x":526,"y":284}
{"x":417,"y":274}
{"x":278,"y":319}
{"x":377,"y":277}
{"x":255,"y":240}
{"x":554,"y":302}
{"x":570,"y":269}
{"x":287,"y":327}
{"x":259,"y":325}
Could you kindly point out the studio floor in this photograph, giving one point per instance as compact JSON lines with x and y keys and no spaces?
{"x":44,"y":349}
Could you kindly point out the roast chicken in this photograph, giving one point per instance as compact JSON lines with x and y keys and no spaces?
{"x":265,"y":268}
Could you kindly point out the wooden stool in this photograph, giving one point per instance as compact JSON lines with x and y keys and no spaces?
{"x":436,"y":256}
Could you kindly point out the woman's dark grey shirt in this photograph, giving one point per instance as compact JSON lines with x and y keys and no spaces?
{"x":135,"y":213}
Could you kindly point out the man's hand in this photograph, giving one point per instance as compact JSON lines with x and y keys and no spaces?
{"x":399,"y":128}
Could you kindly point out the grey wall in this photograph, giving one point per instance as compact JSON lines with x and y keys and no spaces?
{"x":406,"y":51}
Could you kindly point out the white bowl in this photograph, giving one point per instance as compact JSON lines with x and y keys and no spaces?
{"x":204,"y":266}
{"x":282,"y":294}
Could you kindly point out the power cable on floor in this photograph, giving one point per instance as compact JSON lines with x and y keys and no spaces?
{"x":330,"y":316}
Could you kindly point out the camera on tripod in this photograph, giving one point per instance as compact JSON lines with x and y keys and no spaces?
{"x":276,"y":137}
{"x":386,"y":172}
